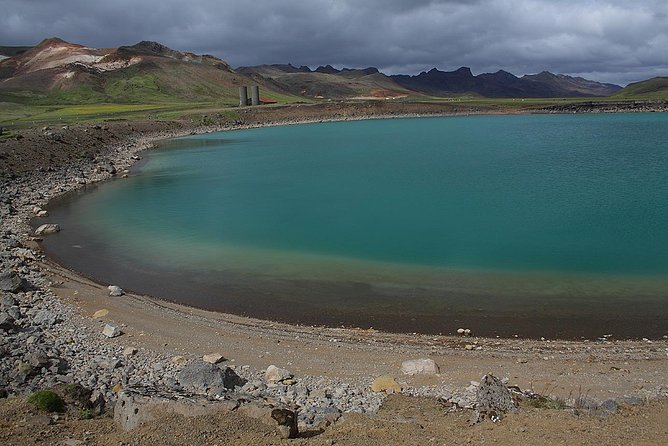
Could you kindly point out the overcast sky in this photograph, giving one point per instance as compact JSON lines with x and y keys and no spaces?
{"x":605,"y":40}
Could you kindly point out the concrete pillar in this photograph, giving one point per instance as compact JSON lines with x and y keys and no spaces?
{"x":243,"y":96}
{"x":255,"y":95}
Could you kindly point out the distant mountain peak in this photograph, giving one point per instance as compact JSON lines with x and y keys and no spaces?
{"x":327,"y":69}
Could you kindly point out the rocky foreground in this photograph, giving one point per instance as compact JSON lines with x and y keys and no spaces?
{"x":46,"y":343}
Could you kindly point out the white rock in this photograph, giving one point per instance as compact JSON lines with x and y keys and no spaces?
{"x":111,"y":331}
{"x":460,"y":331}
{"x":424,"y":366}
{"x":49,"y":228}
{"x":213,"y":358}
{"x":274,"y":374}
{"x":115,"y":290}
{"x":43,"y":214}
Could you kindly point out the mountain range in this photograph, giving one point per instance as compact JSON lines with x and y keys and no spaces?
{"x":55,"y":71}
{"x":327,"y":80}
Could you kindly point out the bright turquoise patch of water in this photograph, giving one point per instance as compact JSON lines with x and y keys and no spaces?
{"x":402,"y":200}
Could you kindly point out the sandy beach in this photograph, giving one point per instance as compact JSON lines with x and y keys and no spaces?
{"x":47,"y":163}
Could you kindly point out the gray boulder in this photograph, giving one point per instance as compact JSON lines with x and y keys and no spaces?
{"x":11,"y":282}
{"x":47,"y":229}
{"x":135,"y":407}
{"x":7,"y":301}
{"x":203,"y":377}
{"x":45,"y":317}
{"x":6,"y":322}
{"x":493,"y":400}
{"x":115,"y":291}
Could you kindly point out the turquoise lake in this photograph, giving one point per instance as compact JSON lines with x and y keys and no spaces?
{"x":555,"y":224}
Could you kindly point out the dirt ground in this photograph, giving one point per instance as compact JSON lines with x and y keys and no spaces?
{"x":402,"y":420}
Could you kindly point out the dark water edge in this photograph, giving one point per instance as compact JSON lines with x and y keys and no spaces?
{"x":391,"y":308}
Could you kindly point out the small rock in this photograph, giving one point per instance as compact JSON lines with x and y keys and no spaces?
{"x":129,"y":351}
{"x":111,"y":331}
{"x":213,"y":358}
{"x":100,"y":313}
{"x":47,"y":229}
{"x":423,"y":366}
{"x":6,"y":321}
{"x":42,"y":214}
{"x":115,"y":291}
{"x":385,"y":383}
{"x":179,"y":360}
{"x":275,"y":374}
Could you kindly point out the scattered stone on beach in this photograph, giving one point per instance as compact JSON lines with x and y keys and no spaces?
{"x":385,"y":383}
{"x":11,"y":282}
{"x":39,"y":212}
{"x":493,"y":400}
{"x":275,"y":374}
{"x":24,"y":254}
{"x":130,"y":351}
{"x":100,"y":313}
{"x":115,"y":290}
{"x":111,"y":331}
{"x":424,"y":366}
{"x":179,"y":360}
{"x":45,"y":317}
{"x":6,"y":322}
{"x":203,"y":377}
{"x":47,"y":229}
{"x":213,"y":358}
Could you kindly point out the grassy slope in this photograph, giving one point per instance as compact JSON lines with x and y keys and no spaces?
{"x":655,"y":88}
{"x":161,"y":89}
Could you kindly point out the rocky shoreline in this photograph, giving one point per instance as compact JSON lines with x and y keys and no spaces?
{"x":46,"y":342}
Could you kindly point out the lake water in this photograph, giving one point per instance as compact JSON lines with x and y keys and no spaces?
{"x":531,"y":225}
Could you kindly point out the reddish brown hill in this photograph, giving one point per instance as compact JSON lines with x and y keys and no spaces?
{"x":59,"y":71}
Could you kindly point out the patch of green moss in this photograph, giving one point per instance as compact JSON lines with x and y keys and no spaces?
{"x":47,"y":400}
{"x":541,"y":402}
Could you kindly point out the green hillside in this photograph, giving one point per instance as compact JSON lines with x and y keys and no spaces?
{"x":655,"y":88}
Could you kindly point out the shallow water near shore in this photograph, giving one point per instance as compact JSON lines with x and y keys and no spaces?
{"x":529,"y":225}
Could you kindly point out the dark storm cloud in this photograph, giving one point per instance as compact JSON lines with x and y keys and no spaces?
{"x":608,"y":40}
